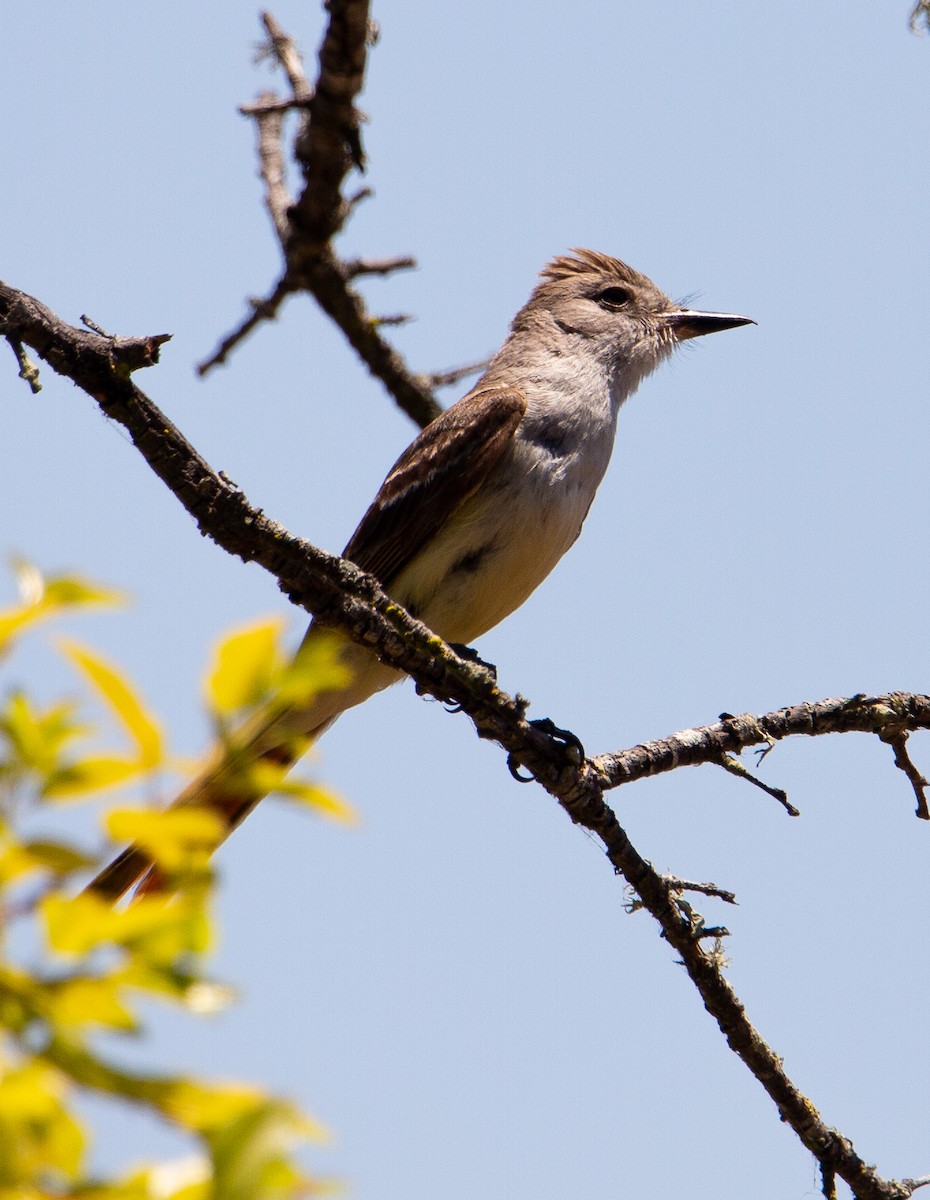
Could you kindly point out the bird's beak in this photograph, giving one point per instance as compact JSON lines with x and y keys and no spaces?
{"x":688,"y":324}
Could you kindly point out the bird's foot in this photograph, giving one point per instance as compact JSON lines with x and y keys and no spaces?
{"x":470,"y":654}
{"x":564,"y":737}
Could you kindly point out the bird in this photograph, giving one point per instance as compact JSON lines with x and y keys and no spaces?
{"x":479,"y":508}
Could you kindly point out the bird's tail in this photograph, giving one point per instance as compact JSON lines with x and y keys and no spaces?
{"x":240,"y":773}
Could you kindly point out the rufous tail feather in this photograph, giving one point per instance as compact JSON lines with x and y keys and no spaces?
{"x":231,"y":787}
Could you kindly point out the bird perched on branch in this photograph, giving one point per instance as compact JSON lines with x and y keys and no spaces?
{"x":481,"y":506}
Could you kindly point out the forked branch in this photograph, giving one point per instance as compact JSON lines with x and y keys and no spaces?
{"x":327,"y":148}
{"x":339,"y":594}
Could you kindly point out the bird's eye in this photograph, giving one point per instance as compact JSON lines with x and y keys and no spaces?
{"x":614,"y":297}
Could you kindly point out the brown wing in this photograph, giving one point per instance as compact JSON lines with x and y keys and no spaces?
{"x":438,"y":471}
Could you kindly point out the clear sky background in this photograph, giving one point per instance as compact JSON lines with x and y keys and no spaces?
{"x":455,"y":987}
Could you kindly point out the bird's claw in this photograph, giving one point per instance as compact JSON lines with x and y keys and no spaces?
{"x":569,"y":740}
{"x":470,"y":654}
{"x":565,"y":737}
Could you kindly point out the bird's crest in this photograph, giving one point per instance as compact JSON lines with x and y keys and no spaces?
{"x":589,"y":262}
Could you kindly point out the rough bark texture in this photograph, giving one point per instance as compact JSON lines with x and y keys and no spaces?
{"x":338,"y":593}
{"x":327,"y":148}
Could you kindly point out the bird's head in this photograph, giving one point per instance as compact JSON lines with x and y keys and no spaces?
{"x":589,"y":299}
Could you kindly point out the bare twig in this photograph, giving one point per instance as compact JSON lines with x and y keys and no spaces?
{"x":262,"y":310}
{"x":339,"y":594}
{"x":902,"y":760}
{"x":920,"y":16}
{"x":440,"y":379}
{"x":706,"y":889}
{"x":272,"y":169}
{"x":735,"y":767}
{"x":706,"y":744}
{"x":353,"y":267}
{"x":340,"y":301}
{"x":352,"y":202}
{"x":268,"y":102}
{"x":285,"y":51}
{"x":92,"y":325}
{"x":327,"y":147}
{"x":28,"y":370}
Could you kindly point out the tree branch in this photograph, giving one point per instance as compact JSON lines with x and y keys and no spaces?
{"x":920,"y":15}
{"x":284,"y":49}
{"x":261,"y":310}
{"x":337,"y":593}
{"x":888,"y":717}
{"x":270,"y":124}
{"x":327,"y":147}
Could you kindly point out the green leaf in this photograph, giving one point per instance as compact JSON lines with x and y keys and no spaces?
{"x":72,"y":591}
{"x":92,"y":774}
{"x":36,"y":739}
{"x":48,"y":597}
{"x":14,"y":620}
{"x":160,"y":929}
{"x":204,"y":1107}
{"x":176,"y":838}
{"x":15,"y":861}
{"x":320,"y":799}
{"x":122,"y":699}
{"x":87,"y":1000}
{"x":187,"y":1178}
{"x":58,"y":857}
{"x":21,"y":858}
{"x":37,"y":1133}
{"x":316,"y":667}
{"x":20,"y":998}
{"x":251,"y":1153}
{"x":246,"y":666}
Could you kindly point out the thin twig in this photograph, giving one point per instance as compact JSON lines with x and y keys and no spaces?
{"x":273,"y":171}
{"x":262,"y":310}
{"x":706,"y":889}
{"x":706,"y":744}
{"x":735,"y":767}
{"x":285,"y":51}
{"x":352,"y":202}
{"x":339,"y":594}
{"x":28,"y":370}
{"x":353,"y":267}
{"x":327,"y":147}
{"x":439,"y":379}
{"x":920,"y":15}
{"x":902,"y":760}
{"x":340,"y":301}
{"x":268,"y":102}
{"x":94,"y":327}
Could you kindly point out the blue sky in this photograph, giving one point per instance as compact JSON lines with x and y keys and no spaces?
{"x":455,"y":988}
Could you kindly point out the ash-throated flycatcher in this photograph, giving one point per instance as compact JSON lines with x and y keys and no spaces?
{"x":486,"y":500}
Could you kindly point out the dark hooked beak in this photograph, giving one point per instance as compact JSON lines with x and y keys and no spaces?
{"x":687,"y":324}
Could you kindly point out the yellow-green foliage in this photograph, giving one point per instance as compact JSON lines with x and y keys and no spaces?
{"x":90,"y":965}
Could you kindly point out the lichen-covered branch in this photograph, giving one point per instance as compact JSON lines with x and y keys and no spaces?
{"x":338,"y":593}
{"x":888,"y":717}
